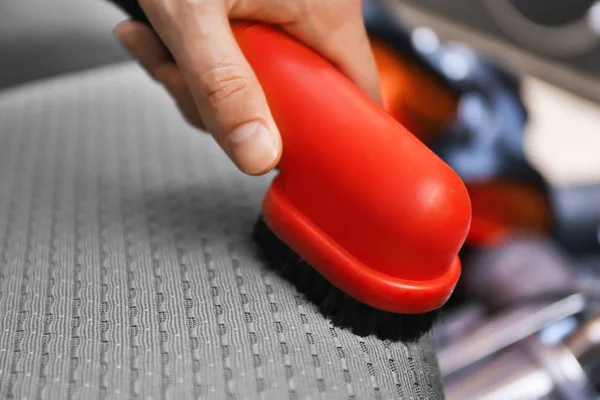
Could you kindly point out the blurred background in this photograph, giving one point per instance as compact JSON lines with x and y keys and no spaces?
{"x":505,"y":91}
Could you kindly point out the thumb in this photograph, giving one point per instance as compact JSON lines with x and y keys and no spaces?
{"x":224,"y":87}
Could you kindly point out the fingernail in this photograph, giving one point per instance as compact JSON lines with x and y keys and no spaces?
{"x":253,"y":148}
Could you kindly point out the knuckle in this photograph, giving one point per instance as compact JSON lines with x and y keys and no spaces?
{"x":171,"y":9}
{"x":322,"y":17}
{"x":158,"y":5}
{"x":199,"y":5}
{"x":301,"y":8}
{"x":224,"y":82}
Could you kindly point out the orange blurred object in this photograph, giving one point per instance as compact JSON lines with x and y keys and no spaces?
{"x":418,"y":100}
{"x":502,"y":208}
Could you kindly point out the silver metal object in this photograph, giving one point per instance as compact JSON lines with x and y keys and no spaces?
{"x":513,"y":359}
{"x":585,"y":345}
{"x":570,"y":381}
{"x":532,"y":348}
{"x":529,"y":370}
{"x":505,"y":330}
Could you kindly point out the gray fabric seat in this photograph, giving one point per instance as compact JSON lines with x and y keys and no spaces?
{"x":127,"y":270}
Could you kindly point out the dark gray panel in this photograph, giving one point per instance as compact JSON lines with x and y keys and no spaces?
{"x":43,"y":38}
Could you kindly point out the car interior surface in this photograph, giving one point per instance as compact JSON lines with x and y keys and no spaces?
{"x":127,"y":268}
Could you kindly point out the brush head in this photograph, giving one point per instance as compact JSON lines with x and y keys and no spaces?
{"x":343,"y":310}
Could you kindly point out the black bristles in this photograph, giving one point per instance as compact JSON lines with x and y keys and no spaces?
{"x":343,"y":310}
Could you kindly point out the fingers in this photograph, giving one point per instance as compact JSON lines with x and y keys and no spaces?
{"x":143,"y":44}
{"x":212,"y":81}
{"x":334,"y":28}
{"x":350,"y":50}
{"x":171,"y":77}
{"x":344,"y":41}
{"x":225,"y":90}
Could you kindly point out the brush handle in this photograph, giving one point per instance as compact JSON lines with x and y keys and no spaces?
{"x":133,"y":9}
{"x":358,"y":196}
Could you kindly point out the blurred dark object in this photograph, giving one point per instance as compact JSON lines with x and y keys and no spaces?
{"x":132,"y":9}
{"x":518,"y":271}
{"x":526,"y":268}
{"x":556,"y":40}
{"x":577,"y":218}
{"x":555,"y":13}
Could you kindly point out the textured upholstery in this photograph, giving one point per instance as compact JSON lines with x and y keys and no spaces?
{"x":127,"y":270}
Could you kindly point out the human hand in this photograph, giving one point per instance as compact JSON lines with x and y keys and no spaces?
{"x":213,"y":84}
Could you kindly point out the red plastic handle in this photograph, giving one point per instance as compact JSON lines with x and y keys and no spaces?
{"x":358,"y":196}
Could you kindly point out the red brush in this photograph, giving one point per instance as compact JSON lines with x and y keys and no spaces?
{"x":362,"y":217}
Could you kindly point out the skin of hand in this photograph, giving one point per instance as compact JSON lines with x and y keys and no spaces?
{"x":211,"y":81}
